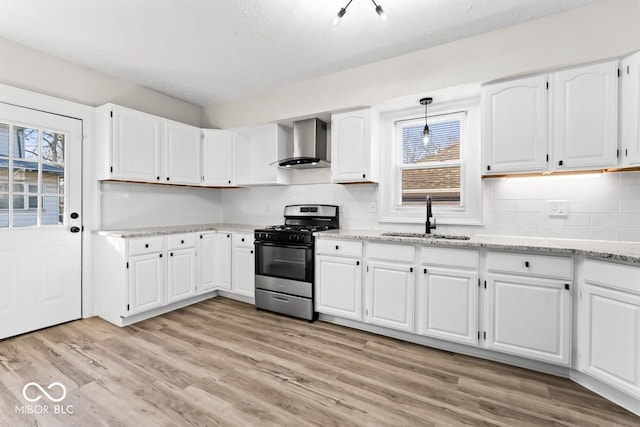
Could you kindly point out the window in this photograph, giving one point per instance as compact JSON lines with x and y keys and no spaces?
{"x":447,"y":169}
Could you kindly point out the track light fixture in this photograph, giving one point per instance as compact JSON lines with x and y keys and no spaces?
{"x":426,"y":133}
{"x":343,"y":10}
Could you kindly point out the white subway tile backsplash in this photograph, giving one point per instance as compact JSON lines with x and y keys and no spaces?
{"x":630,"y":206}
{"x":615,"y":220}
{"x":594,"y":205}
{"x":630,"y":234}
{"x":592,"y":233}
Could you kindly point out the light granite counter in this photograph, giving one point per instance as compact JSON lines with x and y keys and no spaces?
{"x":627,"y":252}
{"x":175,"y":229}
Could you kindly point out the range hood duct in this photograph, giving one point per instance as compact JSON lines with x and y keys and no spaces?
{"x":309,"y":145}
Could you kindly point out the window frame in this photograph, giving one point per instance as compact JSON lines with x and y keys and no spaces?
{"x":470,"y":210}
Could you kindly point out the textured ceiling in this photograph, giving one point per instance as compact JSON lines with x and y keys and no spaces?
{"x":211,"y":51}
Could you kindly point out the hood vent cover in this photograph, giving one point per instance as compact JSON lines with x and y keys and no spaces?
{"x":309,"y":145}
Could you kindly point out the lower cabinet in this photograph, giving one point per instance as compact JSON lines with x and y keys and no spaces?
{"x":447,"y":295}
{"x":182,"y":271}
{"x":243,"y":265}
{"x":222,"y":260}
{"x":339,"y":286}
{"x":206,"y":262}
{"x":528,"y":306}
{"x":147,"y":283}
{"x":609,"y":325}
{"x":390,"y":286}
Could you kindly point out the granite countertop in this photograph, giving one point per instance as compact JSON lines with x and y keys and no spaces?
{"x":628,"y":252}
{"x":174,"y":229}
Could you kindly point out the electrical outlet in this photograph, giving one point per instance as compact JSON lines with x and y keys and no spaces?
{"x":373,"y":207}
{"x":558,"y":208}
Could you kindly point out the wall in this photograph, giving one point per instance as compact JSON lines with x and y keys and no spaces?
{"x":125,"y":205}
{"x":604,"y":29}
{"x":27,"y":68}
{"x":601,"y":207}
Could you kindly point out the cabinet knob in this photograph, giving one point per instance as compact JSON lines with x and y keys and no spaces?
{"x":182,"y":242}
{"x":357,"y":262}
{"x":171,"y":254}
{"x":410,"y":269}
{"x":337,"y":247}
{"x":160,"y":255}
{"x":425,"y":271}
{"x":526,"y":264}
{"x":364,"y":175}
{"x":488,"y":167}
{"x":201,"y":236}
{"x":560,"y":162}
{"x":158,"y":178}
{"x":251,"y":251}
{"x":229,"y":181}
{"x":228,"y":235}
{"x":167,"y":178}
{"x":146,"y":245}
{"x":243,"y":239}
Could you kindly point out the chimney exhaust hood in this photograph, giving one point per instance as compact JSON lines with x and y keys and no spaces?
{"x":309,"y":145}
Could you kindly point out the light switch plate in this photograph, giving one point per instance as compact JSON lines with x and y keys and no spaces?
{"x":558,"y":208}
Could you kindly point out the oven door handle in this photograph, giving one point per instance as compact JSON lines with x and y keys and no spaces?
{"x":278,"y":245}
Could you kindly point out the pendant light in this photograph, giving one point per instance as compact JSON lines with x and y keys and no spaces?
{"x":426,"y":133}
{"x":383,"y":16}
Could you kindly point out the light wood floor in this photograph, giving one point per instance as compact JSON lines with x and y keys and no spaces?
{"x":221,"y":362}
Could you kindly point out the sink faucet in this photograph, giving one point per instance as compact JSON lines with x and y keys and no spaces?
{"x":430,"y":222}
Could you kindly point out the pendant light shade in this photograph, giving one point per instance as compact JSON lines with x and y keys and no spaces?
{"x":426,"y":133}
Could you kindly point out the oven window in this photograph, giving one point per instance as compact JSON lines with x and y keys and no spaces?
{"x":293,"y":263}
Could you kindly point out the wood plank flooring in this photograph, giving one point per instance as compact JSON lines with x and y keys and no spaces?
{"x":221,"y":362}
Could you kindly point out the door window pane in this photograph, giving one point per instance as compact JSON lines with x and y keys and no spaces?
{"x":52,"y":177}
{"x":24,"y":175}
{"x":4,"y":175}
{"x":33,"y":202}
{"x":52,"y":210}
{"x":53,"y":147}
{"x":18,"y":201}
{"x":4,"y":140}
{"x":4,"y":210}
{"x":4,"y":202}
{"x":25,"y":143}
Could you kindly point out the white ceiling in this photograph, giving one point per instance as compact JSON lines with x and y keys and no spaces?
{"x":211,"y":51}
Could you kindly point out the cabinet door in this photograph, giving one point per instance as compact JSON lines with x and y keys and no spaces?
{"x":448,"y":304}
{"x":529,"y":317}
{"x":390,"y":293}
{"x":630,"y":113}
{"x":585,"y":111}
{"x":514,"y":125}
{"x":350,"y":146}
{"x":136,"y":145}
{"x":147,"y":287}
{"x":206,"y":263}
{"x":243,"y":276}
{"x":217,"y":157}
{"x":182,"y":274}
{"x":223,"y":260}
{"x":339,"y":286}
{"x":609,"y":348}
{"x":182,"y":153}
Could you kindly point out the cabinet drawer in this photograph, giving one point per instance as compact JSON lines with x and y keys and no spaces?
{"x":243,"y":240}
{"x":535,"y":265}
{"x":385,"y":251}
{"x":179,"y":241}
{"x":339,"y":247}
{"x":451,"y":257}
{"x":145,"y":245}
{"x":624,"y":277}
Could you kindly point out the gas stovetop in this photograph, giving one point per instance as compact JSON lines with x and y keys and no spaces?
{"x":298,"y":228}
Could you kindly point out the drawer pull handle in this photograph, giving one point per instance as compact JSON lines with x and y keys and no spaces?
{"x":410,"y":269}
{"x":146,"y":245}
{"x":526,"y":264}
{"x":281,"y":299}
{"x":357,"y":262}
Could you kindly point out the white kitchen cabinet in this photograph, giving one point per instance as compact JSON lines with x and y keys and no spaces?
{"x":514,"y":125}
{"x":609,"y":325}
{"x":630,"y":110}
{"x":390,"y":286}
{"x":528,"y":306}
{"x":182,"y":153}
{"x":585,"y":111}
{"x":576,"y":107}
{"x":355,"y":146}
{"x":223,"y":260}
{"x":447,"y":294}
{"x":338,"y":289}
{"x":217,"y":158}
{"x":207,"y":280}
{"x":147,"y":283}
{"x":182,"y":267}
{"x":243,"y":265}
{"x":257,"y":149}
{"x":130,"y":144}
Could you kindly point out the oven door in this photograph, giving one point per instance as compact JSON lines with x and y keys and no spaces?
{"x":293,"y":262}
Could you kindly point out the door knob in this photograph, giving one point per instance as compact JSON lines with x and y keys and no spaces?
{"x":74,"y":229}
{"x":74,"y":215}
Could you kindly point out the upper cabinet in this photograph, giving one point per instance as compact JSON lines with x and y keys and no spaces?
{"x":130,"y":144}
{"x":585,"y":111}
{"x":515,"y":125}
{"x":182,"y":153}
{"x":630,"y":110}
{"x":354,"y":146}
{"x":217,"y":157}
{"x":135,"y":146}
{"x":257,"y":149}
{"x":567,"y":120}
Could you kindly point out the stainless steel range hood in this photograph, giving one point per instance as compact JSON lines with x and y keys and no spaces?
{"x":309,"y":145}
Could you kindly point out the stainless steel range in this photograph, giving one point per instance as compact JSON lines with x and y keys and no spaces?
{"x":284,"y":260}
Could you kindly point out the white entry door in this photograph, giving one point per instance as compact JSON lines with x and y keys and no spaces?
{"x":40,"y":219}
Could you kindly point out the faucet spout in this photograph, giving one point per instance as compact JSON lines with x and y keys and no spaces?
{"x":430,"y":222}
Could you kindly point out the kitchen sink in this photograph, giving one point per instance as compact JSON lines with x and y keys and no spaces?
{"x":426,"y":236}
